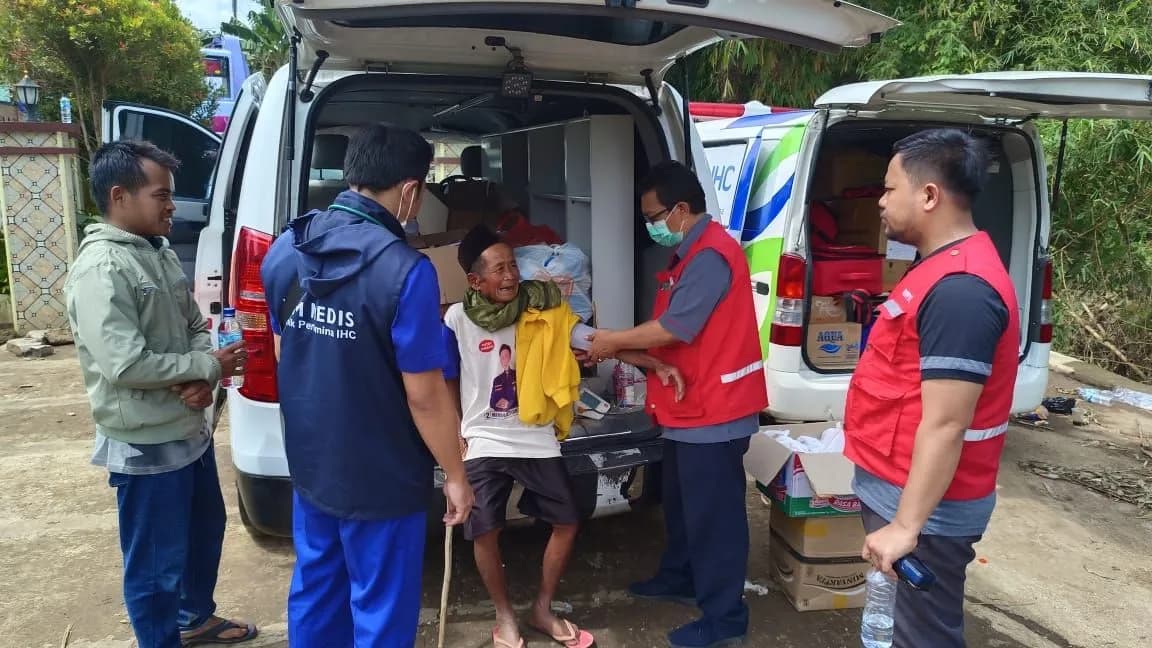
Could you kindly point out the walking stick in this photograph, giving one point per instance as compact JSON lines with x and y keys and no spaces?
{"x":448,"y":533}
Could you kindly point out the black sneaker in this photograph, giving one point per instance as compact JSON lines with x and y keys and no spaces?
{"x":659,"y":590}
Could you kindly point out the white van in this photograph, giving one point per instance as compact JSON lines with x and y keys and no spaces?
{"x":769,"y":169}
{"x":566,"y":104}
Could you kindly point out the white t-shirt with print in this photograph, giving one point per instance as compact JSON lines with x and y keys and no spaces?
{"x":490,"y":421}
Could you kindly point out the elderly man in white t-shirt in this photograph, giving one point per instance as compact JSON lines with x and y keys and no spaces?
{"x":500,"y":447}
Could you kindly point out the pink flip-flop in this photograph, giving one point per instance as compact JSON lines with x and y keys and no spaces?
{"x":497,"y":642}
{"x":574,"y":637}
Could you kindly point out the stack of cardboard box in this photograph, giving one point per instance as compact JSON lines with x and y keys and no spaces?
{"x":817,"y":533}
{"x":858,"y":219}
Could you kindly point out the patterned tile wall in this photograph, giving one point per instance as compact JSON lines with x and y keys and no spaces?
{"x":39,"y":214}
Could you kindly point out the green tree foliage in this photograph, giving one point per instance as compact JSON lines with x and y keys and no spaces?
{"x":1102,"y":224}
{"x":263,"y":39}
{"x":129,"y":50}
{"x":142,"y":51}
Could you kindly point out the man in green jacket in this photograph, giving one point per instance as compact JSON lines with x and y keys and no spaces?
{"x":150,"y":371}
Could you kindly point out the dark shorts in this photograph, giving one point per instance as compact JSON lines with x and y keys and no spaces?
{"x":547,"y":492}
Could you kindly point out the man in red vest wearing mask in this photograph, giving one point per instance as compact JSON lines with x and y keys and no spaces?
{"x":704,"y":324}
{"x":929,"y":403}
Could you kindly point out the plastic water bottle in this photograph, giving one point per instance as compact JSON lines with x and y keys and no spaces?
{"x":66,"y":109}
{"x":1096,"y":396}
{"x":230,"y":333}
{"x":630,"y":386}
{"x":878,"y":625}
{"x":1133,"y":398}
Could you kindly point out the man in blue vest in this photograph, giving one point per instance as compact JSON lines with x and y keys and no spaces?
{"x":364,"y":400}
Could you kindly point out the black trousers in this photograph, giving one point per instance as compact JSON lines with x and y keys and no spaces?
{"x":706,"y":522}
{"x":936,"y":617}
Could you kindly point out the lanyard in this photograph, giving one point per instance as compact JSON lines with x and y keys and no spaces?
{"x":357,"y":212}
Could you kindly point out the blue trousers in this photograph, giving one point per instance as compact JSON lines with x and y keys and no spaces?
{"x":171,"y":532}
{"x":935,"y":617}
{"x":706,"y":522}
{"x":357,"y":582}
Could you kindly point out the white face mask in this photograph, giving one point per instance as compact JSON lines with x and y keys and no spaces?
{"x":411,"y":215}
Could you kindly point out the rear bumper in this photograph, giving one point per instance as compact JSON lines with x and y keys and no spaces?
{"x":607,"y":480}
{"x":797,"y":394}
{"x":267,"y":503}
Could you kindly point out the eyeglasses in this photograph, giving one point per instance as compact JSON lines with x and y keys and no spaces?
{"x":663,"y":213}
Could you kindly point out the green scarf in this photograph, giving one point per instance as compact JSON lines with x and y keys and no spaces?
{"x":541,"y":295}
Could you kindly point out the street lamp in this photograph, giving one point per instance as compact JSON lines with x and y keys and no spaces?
{"x":28,"y":95}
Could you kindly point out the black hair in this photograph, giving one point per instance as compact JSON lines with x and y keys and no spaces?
{"x":472,"y":246}
{"x":381,"y":156}
{"x":503,"y":348}
{"x":121,"y":164}
{"x":675,"y":183}
{"x":955,"y":160}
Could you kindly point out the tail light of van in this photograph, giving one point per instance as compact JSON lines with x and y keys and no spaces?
{"x":788,"y":320}
{"x":252,"y":314}
{"x":1045,"y":334}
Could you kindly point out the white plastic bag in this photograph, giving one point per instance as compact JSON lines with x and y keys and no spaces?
{"x":564,"y":265}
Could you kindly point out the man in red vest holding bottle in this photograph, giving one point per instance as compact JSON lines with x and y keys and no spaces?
{"x":704,"y":324}
{"x":929,"y":403}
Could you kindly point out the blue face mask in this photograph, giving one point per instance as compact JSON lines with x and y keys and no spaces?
{"x":660,"y":233}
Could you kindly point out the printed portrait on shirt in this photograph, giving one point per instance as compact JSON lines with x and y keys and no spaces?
{"x":503,"y":400}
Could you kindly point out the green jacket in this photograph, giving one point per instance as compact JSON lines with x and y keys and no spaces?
{"x":137,"y":333}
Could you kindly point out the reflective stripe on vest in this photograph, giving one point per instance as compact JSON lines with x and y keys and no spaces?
{"x":742,"y":373}
{"x":984,"y":435}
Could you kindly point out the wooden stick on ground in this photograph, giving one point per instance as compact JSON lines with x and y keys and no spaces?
{"x":448,"y":533}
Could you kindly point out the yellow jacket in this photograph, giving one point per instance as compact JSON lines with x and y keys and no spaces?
{"x":547,"y":374}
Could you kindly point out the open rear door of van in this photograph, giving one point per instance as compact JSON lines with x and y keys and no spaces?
{"x":609,"y":41}
{"x":1011,"y":96}
{"x":195,"y":146}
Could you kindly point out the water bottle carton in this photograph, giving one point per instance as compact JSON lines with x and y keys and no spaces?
{"x":818,"y":583}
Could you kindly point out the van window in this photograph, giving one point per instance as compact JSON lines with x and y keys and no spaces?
{"x":195,"y":149}
{"x":726,"y":160}
{"x":216,"y":75}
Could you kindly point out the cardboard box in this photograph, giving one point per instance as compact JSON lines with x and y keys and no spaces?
{"x":442,"y":248}
{"x":847,"y":169}
{"x":893,"y":272}
{"x":858,"y":223}
{"x":900,"y":251}
{"x":802,"y":484}
{"x":821,"y":584}
{"x":827,"y":310}
{"x":438,"y":239}
{"x":834,"y":345}
{"x":820,"y":537}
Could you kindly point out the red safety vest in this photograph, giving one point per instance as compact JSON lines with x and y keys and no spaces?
{"x":723,"y":366}
{"x":883,"y":408}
